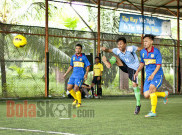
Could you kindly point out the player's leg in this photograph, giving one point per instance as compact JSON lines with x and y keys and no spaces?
{"x":157,"y":81}
{"x":106,"y":62}
{"x":93,"y":84}
{"x":78,"y":84}
{"x":153,"y":98}
{"x":148,"y":88}
{"x":137,"y":96}
{"x":99,"y":88}
{"x":131,"y":73}
{"x":119,"y":62}
{"x":114,"y":59}
{"x":71,"y":90}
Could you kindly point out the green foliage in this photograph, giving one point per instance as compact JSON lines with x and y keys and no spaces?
{"x":70,"y":22}
{"x":18,"y":70}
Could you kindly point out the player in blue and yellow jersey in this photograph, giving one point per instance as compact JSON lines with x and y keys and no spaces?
{"x":152,"y":59}
{"x":126,"y":59}
{"x":80,"y":65}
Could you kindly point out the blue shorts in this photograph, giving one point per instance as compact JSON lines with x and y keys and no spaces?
{"x":157,"y":81}
{"x":76,"y":81}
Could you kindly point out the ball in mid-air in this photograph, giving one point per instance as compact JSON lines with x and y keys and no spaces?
{"x":19,"y":41}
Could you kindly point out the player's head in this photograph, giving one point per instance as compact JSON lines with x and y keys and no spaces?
{"x":148,"y":40}
{"x":121,"y":42}
{"x":97,"y":59}
{"x":78,"y":48}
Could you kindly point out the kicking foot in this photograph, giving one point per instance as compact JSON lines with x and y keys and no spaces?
{"x":137,"y":109}
{"x":107,"y":63}
{"x":165,"y":98}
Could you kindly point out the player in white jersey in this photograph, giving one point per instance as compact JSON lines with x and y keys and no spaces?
{"x":125,"y":57}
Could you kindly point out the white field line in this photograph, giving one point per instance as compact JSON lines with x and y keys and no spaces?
{"x":36,"y":131}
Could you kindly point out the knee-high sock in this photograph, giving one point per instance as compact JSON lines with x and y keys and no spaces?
{"x":153,"y":98}
{"x":137,"y":95}
{"x":92,"y":88}
{"x":99,"y":91}
{"x":160,"y":94}
{"x":78,"y":96}
{"x":73,"y":94}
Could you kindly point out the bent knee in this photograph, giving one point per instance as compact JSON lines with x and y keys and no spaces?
{"x":135,"y":85}
{"x":146,"y":95}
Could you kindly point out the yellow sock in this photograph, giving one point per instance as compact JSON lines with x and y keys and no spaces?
{"x":72,"y":92}
{"x":160,"y":94}
{"x":153,"y":98}
{"x":78,"y":96}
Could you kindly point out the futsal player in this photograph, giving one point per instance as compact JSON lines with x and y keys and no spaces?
{"x":151,"y":58}
{"x":80,"y":65}
{"x":125,"y":57}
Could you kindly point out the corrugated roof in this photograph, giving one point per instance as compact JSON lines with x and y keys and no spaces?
{"x":163,"y":7}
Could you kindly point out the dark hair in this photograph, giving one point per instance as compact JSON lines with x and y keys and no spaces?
{"x":121,"y":38}
{"x":97,"y":58}
{"x":79,"y":45}
{"x":149,"y":36}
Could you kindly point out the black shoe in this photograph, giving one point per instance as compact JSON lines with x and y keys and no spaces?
{"x":137,"y":109}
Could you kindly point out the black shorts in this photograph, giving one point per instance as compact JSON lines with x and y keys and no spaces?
{"x":95,"y":81}
{"x":131,"y":72}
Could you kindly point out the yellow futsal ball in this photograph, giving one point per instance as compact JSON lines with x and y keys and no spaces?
{"x":19,"y":41}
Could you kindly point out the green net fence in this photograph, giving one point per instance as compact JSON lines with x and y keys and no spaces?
{"x":23,"y":69}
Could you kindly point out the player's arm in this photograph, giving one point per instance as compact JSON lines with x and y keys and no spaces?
{"x":155,"y":71}
{"x":69,"y":69}
{"x":86,"y":74}
{"x":158,"y":63}
{"x":139,"y":69}
{"x":106,"y":49}
{"x":139,"y":48}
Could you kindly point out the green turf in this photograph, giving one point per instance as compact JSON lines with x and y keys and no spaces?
{"x":112,"y":116}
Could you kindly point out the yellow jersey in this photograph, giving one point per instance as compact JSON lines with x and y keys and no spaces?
{"x":98,"y":68}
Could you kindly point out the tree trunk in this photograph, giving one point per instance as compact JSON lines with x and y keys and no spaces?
{"x":124,"y":82}
{"x":3,"y":70}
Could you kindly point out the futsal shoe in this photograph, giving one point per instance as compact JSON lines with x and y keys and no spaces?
{"x":78,"y":105}
{"x":165,"y":98}
{"x":74,"y":102}
{"x":151,"y":114}
{"x":137,"y":109}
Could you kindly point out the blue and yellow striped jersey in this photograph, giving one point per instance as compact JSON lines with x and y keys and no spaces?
{"x":151,"y":59}
{"x":79,"y":64}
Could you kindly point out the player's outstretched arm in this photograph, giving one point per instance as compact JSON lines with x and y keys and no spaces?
{"x":138,"y":70}
{"x":69,"y":69}
{"x":106,"y":49}
{"x":86,"y":74}
{"x":139,"y":48}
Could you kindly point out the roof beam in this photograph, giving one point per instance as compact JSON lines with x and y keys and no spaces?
{"x":93,"y":1}
{"x":133,"y":5}
{"x":165,"y":4}
{"x":171,"y":12}
{"x":120,"y":4}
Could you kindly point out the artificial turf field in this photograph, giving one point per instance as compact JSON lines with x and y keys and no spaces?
{"x":112,"y":116}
